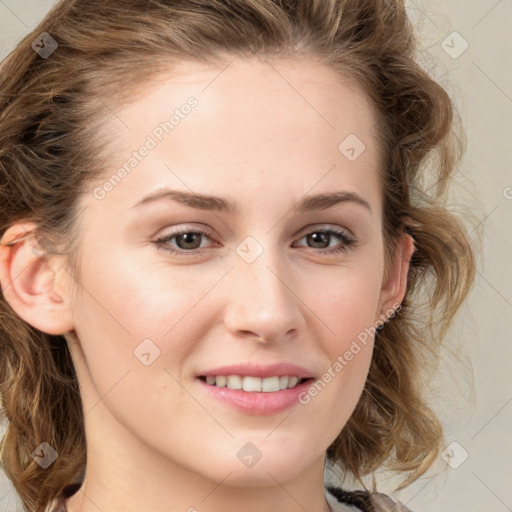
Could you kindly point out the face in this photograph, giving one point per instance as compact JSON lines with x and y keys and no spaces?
{"x":262,"y":279}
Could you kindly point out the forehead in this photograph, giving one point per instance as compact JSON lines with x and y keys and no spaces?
{"x":255,"y":124}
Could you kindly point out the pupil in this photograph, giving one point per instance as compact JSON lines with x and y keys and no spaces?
{"x":319,"y":238}
{"x":188,"y":238}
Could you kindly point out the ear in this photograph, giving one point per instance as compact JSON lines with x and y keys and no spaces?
{"x":33,"y":283}
{"x":394,"y":284}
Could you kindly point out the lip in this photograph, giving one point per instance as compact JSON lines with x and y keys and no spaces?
{"x":256,"y":403}
{"x":255,"y":370}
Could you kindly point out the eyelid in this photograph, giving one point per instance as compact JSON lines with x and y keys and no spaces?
{"x":325,"y":226}
{"x":348,"y":240}
{"x":185,"y":228}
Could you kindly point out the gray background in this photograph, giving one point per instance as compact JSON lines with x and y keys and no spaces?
{"x":474,"y":474}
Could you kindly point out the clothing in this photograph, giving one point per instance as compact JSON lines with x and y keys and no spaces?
{"x":336,"y":498}
{"x":338,"y":506}
{"x":343,"y":501}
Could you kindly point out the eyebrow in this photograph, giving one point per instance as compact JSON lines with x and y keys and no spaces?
{"x":215,"y":203}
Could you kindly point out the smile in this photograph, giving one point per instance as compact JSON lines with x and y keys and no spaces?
{"x":255,"y":395}
{"x":253,"y":384}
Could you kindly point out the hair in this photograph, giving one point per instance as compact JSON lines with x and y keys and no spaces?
{"x":52,"y":147}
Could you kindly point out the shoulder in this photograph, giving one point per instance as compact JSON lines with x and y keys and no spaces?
{"x":362,"y":501}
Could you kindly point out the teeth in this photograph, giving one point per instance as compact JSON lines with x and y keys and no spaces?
{"x":253,"y":384}
{"x":234,"y":382}
{"x":270,"y":384}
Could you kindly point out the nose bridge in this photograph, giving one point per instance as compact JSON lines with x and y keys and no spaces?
{"x":261,"y":299}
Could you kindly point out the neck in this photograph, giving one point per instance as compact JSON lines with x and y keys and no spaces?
{"x":125,"y":475}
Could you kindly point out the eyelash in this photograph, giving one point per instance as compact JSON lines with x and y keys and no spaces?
{"x":348,"y":241}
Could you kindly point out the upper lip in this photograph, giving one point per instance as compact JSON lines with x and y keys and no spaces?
{"x":256,"y":370}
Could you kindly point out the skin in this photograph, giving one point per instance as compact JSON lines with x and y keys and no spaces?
{"x":156,"y":440}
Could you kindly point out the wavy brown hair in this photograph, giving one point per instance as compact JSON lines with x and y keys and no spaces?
{"x":51,"y":114}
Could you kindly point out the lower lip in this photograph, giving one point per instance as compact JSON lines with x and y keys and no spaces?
{"x":258,"y":403}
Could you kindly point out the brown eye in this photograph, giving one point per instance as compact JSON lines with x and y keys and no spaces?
{"x":320,"y":239}
{"x":187,"y":241}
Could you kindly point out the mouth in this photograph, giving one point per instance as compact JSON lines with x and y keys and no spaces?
{"x":257,"y":396}
{"x":252,"y":384}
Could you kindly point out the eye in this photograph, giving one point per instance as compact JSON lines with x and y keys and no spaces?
{"x":323,"y":237}
{"x":188,"y":241}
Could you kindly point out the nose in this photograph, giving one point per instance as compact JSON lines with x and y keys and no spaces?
{"x":261,"y":302}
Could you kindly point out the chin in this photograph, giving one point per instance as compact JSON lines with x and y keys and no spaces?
{"x":262,"y":477}
{"x":277,"y":463}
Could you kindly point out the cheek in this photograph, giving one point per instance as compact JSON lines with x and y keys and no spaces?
{"x":134,"y":301}
{"x":136,"y":334}
{"x":347,"y":304}
{"x":347,"y":300}
{"x":129,"y":316}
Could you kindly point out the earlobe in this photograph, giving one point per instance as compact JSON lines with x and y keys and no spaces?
{"x":394,"y":287}
{"x":32,"y":282}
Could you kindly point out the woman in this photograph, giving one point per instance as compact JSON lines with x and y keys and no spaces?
{"x":216,"y":244}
